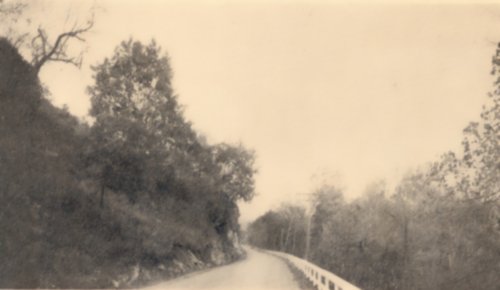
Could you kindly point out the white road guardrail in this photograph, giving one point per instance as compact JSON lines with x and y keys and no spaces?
{"x":321,"y":278}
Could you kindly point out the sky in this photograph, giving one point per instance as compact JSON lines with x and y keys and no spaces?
{"x":323,"y":91}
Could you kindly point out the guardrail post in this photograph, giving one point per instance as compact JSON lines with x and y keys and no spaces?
{"x":320,"y":278}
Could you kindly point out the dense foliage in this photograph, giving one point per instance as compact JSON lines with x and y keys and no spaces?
{"x":439,"y":229}
{"x":136,"y":195}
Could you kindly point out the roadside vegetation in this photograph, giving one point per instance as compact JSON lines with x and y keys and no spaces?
{"x":439,"y":228}
{"x":135,"y":196}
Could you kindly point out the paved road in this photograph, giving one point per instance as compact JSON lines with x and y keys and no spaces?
{"x":258,"y":271}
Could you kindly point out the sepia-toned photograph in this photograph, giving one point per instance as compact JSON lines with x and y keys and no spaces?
{"x":250,"y":144}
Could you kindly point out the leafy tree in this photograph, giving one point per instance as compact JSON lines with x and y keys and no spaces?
{"x":115,"y":157}
{"x":137,"y":118}
{"x":136,"y":85}
{"x":267,"y":231}
{"x":236,"y":171}
{"x":327,"y":201}
{"x":481,"y":144}
{"x":293,"y":240}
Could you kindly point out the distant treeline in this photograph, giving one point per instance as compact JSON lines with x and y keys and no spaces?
{"x":439,"y":229}
{"x":135,"y":196}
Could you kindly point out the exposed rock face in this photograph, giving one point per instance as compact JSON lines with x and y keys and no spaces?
{"x":183,"y":261}
{"x":235,"y":240}
{"x":217,"y":255}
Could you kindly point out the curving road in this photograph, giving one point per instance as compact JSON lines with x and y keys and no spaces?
{"x":258,"y":271}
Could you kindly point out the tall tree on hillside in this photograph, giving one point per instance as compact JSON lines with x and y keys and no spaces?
{"x":137,"y":116}
{"x":236,"y":171}
{"x":231,"y":171}
{"x":136,"y":84}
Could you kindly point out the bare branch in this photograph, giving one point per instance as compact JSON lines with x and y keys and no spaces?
{"x":45,"y":51}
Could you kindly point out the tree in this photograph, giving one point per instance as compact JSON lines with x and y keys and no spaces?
{"x":236,"y":171}
{"x":482,"y":146}
{"x":267,"y":231}
{"x":138,"y":121}
{"x":293,"y":239}
{"x":475,"y":174}
{"x":136,"y":112}
{"x":43,"y":50}
{"x":327,"y":201}
{"x":115,"y":156}
{"x":41,"y":46}
{"x":136,"y":84}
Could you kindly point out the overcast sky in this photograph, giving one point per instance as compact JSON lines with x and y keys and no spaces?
{"x":358,"y":92}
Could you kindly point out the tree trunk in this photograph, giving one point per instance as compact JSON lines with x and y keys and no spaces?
{"x":308,"y":238}
{"x":103,"y":189}
{"x":294,"y":234}
{"x":406,"y":255}
{"x":287,"y":236}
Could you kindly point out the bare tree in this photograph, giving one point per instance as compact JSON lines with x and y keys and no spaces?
{"x":42,"y":47}
{"x":44,"y":51}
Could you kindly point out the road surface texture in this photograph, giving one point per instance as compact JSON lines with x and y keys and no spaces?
{"x":257,"y":272}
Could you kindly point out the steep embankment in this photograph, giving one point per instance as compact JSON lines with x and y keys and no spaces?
{"x":61,"y":226}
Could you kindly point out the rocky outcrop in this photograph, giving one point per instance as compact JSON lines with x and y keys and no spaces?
{"x":183,"y":261}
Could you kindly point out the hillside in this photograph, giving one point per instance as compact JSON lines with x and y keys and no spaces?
{"x":88,"y":207}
